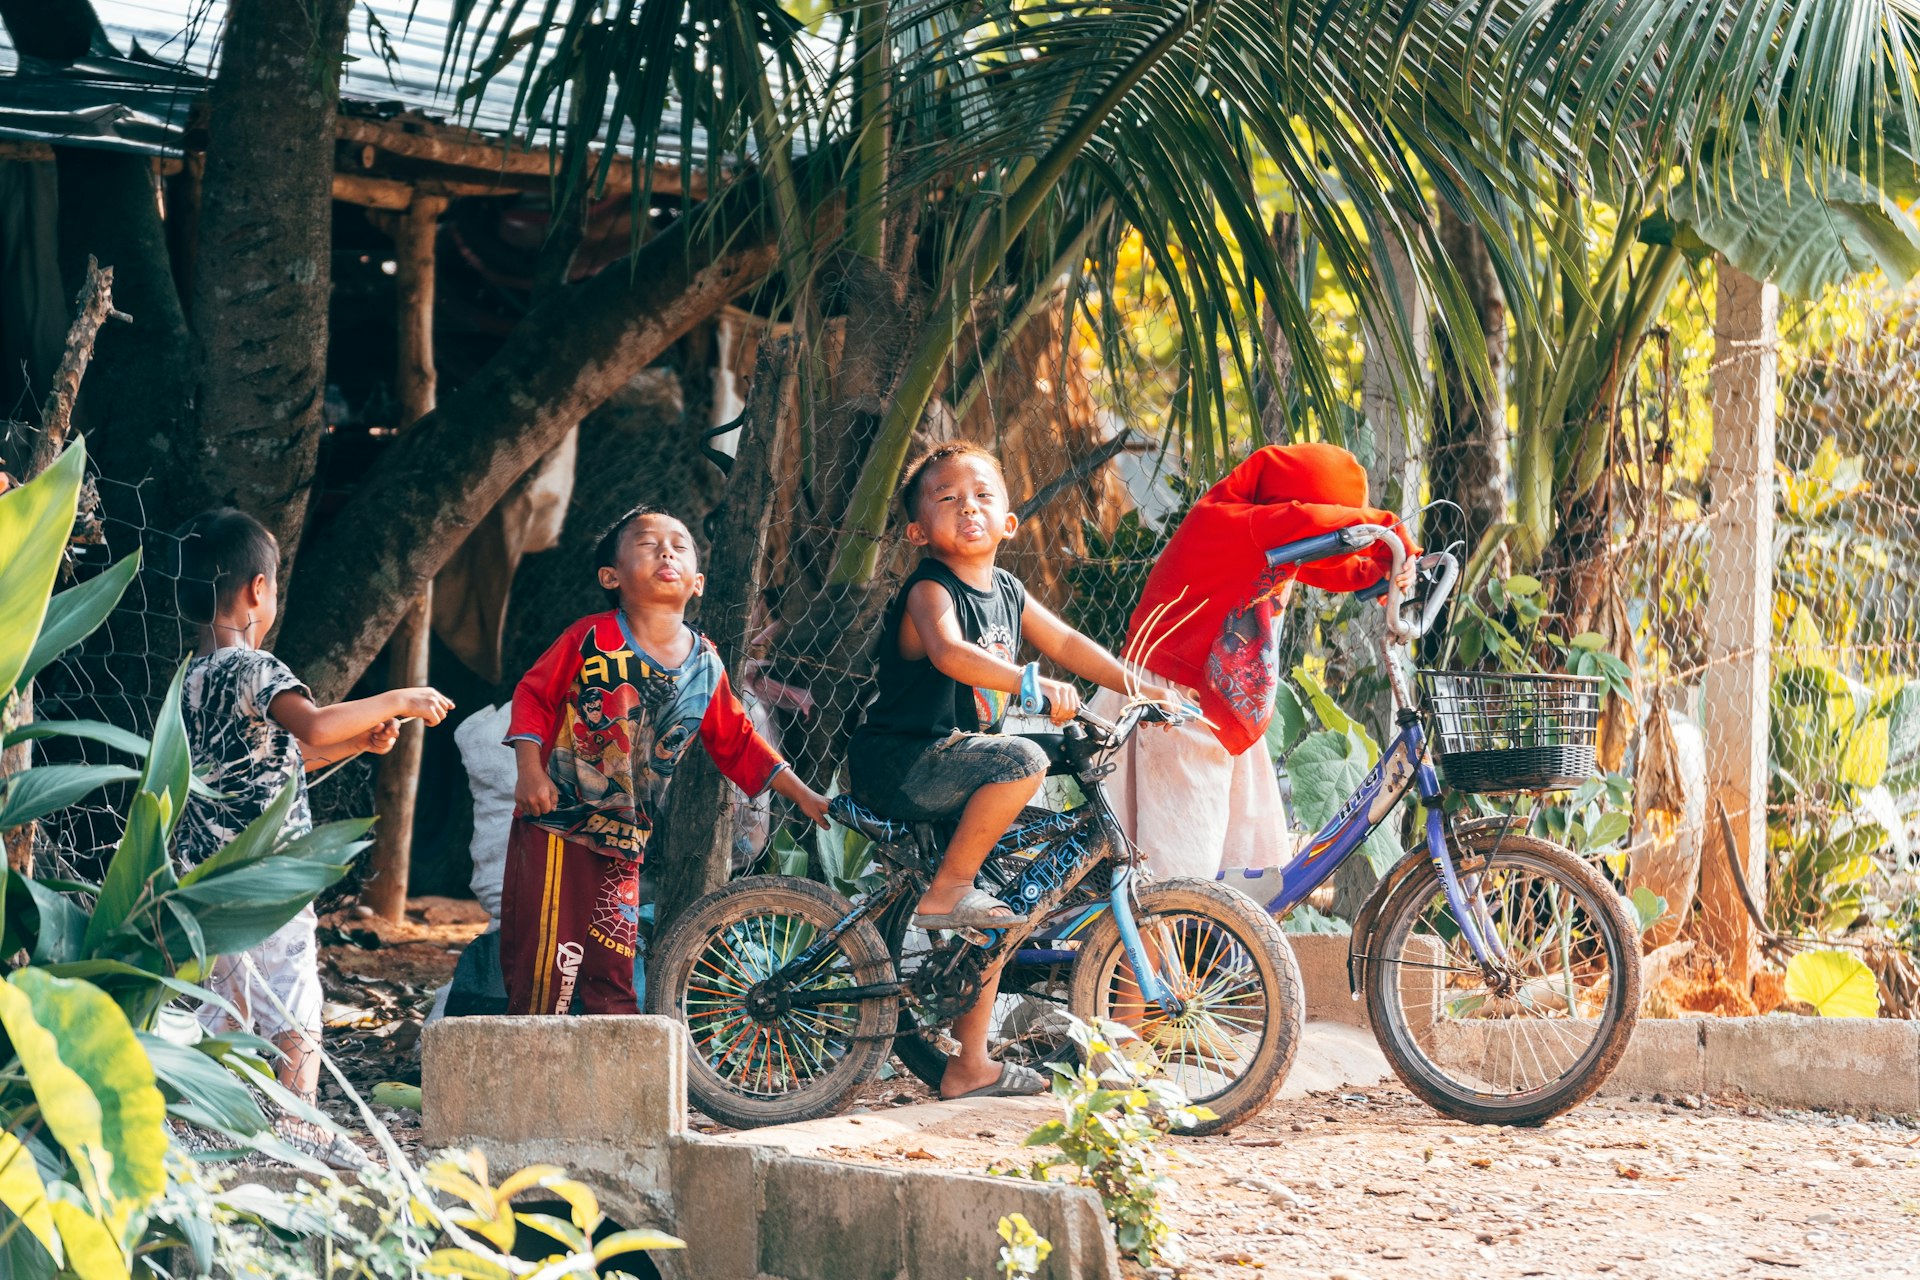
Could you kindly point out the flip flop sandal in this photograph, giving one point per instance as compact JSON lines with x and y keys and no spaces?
{"x":1015,"y":1081}
{"x":975,"y":910}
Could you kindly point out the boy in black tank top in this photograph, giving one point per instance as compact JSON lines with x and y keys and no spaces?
{"x":930,"y":744}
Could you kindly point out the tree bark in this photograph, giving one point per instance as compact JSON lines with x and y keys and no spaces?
{"x":262,"y":274}
{"x":695,"y":854}
{"x":1469,"y":453}
{"x":567,"y":356}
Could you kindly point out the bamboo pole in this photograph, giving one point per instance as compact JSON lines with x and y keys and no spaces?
{"x":398,"y":782}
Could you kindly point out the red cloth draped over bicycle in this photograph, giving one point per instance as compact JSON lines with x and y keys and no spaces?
{"x":1216,"y":634}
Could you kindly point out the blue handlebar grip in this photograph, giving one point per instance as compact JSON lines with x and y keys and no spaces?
{"x":1373,"y":592}
{"x":1031,"y":703}
{"x":1318,"y":547}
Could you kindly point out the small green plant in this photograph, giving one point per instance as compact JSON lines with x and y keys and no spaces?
{"x":1025,"y":1249}
{"x":1114,"y":1114}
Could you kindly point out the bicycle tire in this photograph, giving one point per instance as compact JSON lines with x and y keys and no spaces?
{"x":1267,"y":999}
{"x":1452,"y":1062}
{"x":738,"y":935}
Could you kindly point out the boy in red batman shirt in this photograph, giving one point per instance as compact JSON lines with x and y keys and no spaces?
{"x":599,"y":725}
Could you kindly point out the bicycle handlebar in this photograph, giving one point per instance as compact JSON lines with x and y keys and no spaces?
{"x":1440,"y":567}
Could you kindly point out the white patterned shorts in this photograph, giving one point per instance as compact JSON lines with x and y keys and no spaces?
{"x":284,"y":973}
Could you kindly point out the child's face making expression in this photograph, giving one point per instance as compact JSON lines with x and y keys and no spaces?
{"x":656,"y":565}
{"x":962,"y":510}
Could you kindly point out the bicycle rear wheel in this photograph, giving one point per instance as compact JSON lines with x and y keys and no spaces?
{"x":756,"y":1061}
{"x":1540,"y":1033}
{"x":1233,"y":1042}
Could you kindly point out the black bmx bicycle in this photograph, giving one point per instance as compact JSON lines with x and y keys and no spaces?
{"x":793,"y":996}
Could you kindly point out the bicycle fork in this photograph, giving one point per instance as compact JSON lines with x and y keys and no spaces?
{"x":1146,"y":971}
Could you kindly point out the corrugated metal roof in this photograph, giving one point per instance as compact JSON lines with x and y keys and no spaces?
{"x":187,"y":32}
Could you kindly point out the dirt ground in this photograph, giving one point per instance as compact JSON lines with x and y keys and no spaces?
{"x":1374,"y":1185}
{"x":1360,"y":1184}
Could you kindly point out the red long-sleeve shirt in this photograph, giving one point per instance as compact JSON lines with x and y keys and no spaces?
{"x":612,"y":722}
{"x":1216,"y":634}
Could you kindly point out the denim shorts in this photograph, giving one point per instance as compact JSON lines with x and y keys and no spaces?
{"x":925,"y":780}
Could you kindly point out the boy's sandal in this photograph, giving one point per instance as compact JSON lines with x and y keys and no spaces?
{"x":976,"y":910}
{"x":330,"y":1149}
{"x":1015,"y":1081}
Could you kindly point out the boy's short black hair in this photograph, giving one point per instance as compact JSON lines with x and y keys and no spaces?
{"x":917,"y":473}
{"x":219,"y":552}
{"x":606,"y":552}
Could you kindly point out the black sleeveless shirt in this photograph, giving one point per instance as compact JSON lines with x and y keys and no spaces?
{"x":913,"y":698}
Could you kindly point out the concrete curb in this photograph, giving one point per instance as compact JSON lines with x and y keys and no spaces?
{"x":606,"y":1099}
{"x":1839,"y":1064}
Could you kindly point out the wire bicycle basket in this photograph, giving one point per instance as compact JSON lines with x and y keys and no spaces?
{"x":1498,"y":732}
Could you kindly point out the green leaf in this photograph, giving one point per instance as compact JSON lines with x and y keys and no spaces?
{"x":259,"y":839}
{"x":92,"y":1080}
{"x":169,"y":770}
{"x":49,"y":927}
{"x":22,"y":1256}
{"x":1333,"y":716}
{"x":93,"y":730}
{"x":558,"y":1229}
{"x":36,"y":520}
{"x":244,"y":907}
{"x":74,"y":614}
{"x":1836,"y":983}
{"x":1648,"y":907}
{"x":466,"y":1265}
{"x":52,"y":787}
{"x":1608,"y":828}
{"x":201,"y":1079}
{"x":23,"y":1191}
{"x":1587,"y":640}
{"x":1864,"y":761}
{"x":92,"y":1252}
{"x":139,"y":869}
{"x":1289,"y":723}
{"x":1521,"y":585}
{"x":1802,"y":237}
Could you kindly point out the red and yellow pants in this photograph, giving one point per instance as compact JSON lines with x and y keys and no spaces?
{"x":567,"y":926}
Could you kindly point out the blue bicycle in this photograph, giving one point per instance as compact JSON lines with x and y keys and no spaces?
{"x":1500,"y":970}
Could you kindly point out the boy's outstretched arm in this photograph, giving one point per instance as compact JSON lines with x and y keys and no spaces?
{"x":1080,"y":654}
{"x":377,"y":741}
{"x":343,"y":722}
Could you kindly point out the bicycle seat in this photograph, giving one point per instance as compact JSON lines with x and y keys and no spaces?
{"x":850,"y":813}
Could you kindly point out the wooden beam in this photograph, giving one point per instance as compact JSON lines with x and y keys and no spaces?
{"x":371,"y":193}
{"x":501,"y":166}
{"x":1739,"y":613}
{"x":398,"y":783}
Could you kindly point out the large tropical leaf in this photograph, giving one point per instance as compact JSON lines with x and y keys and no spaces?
{"x":111,"y":735}
{"x":138,"y":873}
{"x":168,"y":774}
{"x":1785,"y":229}
{"x":93,"y":1083}
{"x":35,"y":522}
{"x":202,"y":1088}
{"x":23,"y":1191}
{"x":38,"y":792}
{"x":41,"y":921}
{"x":75,"y":613}
{"x":1836,"y":983}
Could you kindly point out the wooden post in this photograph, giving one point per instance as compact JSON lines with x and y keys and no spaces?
{"x":399,"y":778}
{"x":1739,"y":606}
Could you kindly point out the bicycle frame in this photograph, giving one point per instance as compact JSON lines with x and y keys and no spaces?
{"x":1402,"y":767}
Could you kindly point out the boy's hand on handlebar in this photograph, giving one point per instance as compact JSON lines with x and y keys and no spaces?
{"x":1407,"y":578}
{"x":810,"y":802}
{"x":1063,"y":700}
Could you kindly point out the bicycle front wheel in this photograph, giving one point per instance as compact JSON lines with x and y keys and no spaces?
{"x":1537,"y":1031}
{"x":760,"y":1054}
{"x":1241,"y":1007}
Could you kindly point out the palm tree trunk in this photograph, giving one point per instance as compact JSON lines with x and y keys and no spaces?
{"x":1468,"y":459}
{"x":262,"y":273}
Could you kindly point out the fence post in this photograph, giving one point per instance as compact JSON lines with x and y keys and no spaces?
{"x":1739,"y":622}
{"x":398,"y":781}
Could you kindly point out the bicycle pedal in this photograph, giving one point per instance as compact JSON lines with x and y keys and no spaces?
{"x":978,"y":937}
